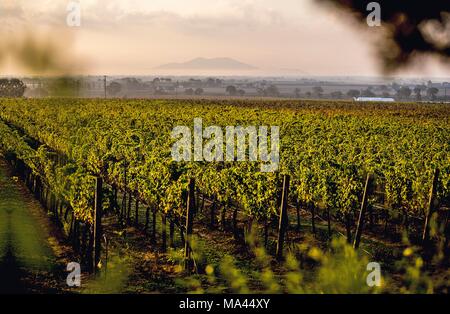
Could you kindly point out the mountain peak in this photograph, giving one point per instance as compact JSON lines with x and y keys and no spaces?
{"x":201,"y":63}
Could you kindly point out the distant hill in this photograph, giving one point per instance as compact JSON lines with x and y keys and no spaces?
{"x":208,"y":64}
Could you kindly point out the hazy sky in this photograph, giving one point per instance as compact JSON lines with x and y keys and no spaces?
{"x":134,"y":36}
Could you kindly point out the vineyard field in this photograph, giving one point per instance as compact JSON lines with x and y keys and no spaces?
{"x":346,"y":170}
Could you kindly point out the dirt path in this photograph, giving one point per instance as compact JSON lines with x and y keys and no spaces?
{"x":27,"y":260}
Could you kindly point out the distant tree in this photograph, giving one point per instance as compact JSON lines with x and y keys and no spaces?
{"x":272,"y":91}
{"x":308,"y":94}
{"x":195,"y":83}
{"x":199,"y":91}
{"x":133,"y":83}
{"x":318,"y":90}
{"x":353,"y":93}
{"x":432,"y":92}
{"x":210,"y":82}
{"x":395,"y":86}
{"x":383,"y":88}
{"x":386,"y":94}
{"x":114,"y":88}
{"x":297,"y":93}
{"x":404,"y":92}
{"x":418,"y":92}
{"x":232,"y":90}
{"x":213,"y":82}
{"x":368,"y":93}
{"x":160,"y":91}
{"x":64,"y":87}
{"x":336,"y":95}
{"x":38,"y":92}
{"x":241,"y":92}
{"x":13,"y":88}
{"x":189,"y":91}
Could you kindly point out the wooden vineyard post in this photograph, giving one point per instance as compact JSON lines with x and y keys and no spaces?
{"x":430,"y":209}
{"x":136,"y":211}
{"x":313,"y":217}
{"x":447,"y":228}
{"x":329,"y":222}
{"x":104,"y":85}
{"x":153,"y":234}
{"x":124,"y":198}
{"x":297,"y":208}
{"x":97,"y":223}
{"x":105,"y":239}
{"x":189,"y":217}
{"x":362,"y":213}
{"x":147,"y":218}
{"x":212,"y":213}
{"x":283,"y":217}
{"x":171,"y":233}
{"x":130,"y":200}
{"x":164,"y":232}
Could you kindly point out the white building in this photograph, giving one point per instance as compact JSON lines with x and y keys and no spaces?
{"x":373,"y":99}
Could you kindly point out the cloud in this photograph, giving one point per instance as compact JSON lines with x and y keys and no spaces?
{"x":11,"y":11}
{"x":104,"y":14}
{"x":10,"y":15}
{"x":135,"y":35}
